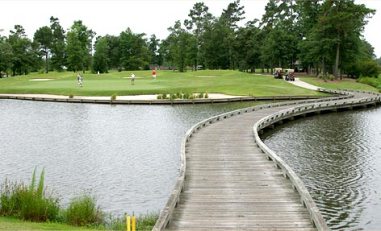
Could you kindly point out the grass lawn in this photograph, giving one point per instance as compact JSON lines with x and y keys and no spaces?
{"x":227,"y":82}
{"x":144,"y":223}
{"x":7,"y":223}
{"x":339,"y":84}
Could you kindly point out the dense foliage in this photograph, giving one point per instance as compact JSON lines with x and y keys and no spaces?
{"x":319,"y":36}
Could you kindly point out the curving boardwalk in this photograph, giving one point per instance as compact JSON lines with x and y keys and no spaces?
{"x":230,"y":184}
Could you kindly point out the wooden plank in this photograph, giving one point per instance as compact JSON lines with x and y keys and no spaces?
{"x":237,"y":224}
{"x":243,"y":215}
{"x":239,"y":207}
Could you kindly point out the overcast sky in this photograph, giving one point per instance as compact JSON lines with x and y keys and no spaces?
{"x":142,"y":16}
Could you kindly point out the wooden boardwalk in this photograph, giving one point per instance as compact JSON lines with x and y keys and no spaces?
{"x":231,"y":185}
{"x":229,"y":182}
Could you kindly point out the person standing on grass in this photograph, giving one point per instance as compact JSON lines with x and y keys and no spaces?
{"x":79,"y":79}
{"x":132,"y":79}
{"x":154,"y":74}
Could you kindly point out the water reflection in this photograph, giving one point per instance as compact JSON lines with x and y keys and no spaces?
{"x":125,"y":155}
{"x":338,"y":156}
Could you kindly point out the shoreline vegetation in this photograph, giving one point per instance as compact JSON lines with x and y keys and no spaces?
{"x":32,"y":207}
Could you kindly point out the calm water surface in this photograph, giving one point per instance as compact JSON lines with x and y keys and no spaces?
{"x":127,"y":156}
{"x":338,"y":156}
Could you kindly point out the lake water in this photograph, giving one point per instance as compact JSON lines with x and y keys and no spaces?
{"x":127,"y":156}
{"x":338,"y":156}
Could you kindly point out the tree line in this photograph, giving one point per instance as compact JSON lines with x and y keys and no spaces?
{"x":318,"y":36}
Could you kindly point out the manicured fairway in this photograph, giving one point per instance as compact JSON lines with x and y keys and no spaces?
{"x":227,"y":82}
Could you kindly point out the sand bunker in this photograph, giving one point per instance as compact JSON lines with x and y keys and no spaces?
{"x":40,"y":79}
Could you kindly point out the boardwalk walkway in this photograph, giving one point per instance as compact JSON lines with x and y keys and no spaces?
{"x":231,"y":185}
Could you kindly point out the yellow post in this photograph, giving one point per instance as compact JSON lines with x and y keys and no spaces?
{"x":128,"y":223}
{"x":133,"y":223}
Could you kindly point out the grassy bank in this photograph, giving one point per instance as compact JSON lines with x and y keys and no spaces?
{"x":10,"y":223}
{"x":144,"y":223}
{"x":118,"y":83}
{"x":339,"y":84}
{"x":31,"y":207}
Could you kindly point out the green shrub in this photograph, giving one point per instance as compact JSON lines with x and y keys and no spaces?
{"x":326,"y":77}
{"x":83,"y":211}
{"x":186,"y":95}
{"x":172,"y":96}
{"x":159,"y":97}
{"x":28,"y":202}
{"x":206,"y":95}
{"x":10,"y":198}
{"x":113,"y":97}
{"x":71,"y":96}
{"x":37,"y":206}
{"x":365,"y":68}
{"x":375,"y":82}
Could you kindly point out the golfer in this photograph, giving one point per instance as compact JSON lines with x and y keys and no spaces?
{"x":132,"y":79}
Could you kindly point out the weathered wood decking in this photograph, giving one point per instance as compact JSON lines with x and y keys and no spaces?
{"x":230,"y":184}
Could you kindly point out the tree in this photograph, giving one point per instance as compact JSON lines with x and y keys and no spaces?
{"x":165,"y":57}
{"x":248,"y":46}
{"x":199,"y":20}
{"x":340,"y":21}
{"x":79,"y":46}
{"x":218,"y":47}
{"x":228,"y":21}
{"x":113,"y":51}
{"x":24,"y":57}
{"x":133,"y":51}
{"x":308,"y":14}
{"x":58,"y":45}
{"x":233,"y":14}
{"x":100,"y":60}
{"x":6,"y":56}
{"x":362,"y":62}
{"x":179,"y":44}
{"x":379,"y":61}
{"x":280,"y":32}
{"x":43,"y":37}
{"x":153,"y":46}
{"x":76,"y":55}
